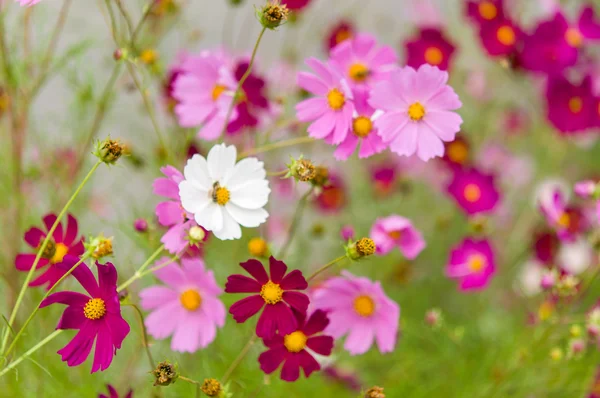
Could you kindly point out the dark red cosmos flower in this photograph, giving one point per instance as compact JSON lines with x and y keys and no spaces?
{"x":275,"y":292}
{"x":97,"y":316}
{"x":254,"y":100}
{"x":64,"y":241}
{"x":291,"y":348}
{"x":341,"y":32}
{"x":429,"y":46}
{"x":113,"y":393}
{"x":457,"y":152}
{"x":545,"y":245}
{"x":501,"y":38}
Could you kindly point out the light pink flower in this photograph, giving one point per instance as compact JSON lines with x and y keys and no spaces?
{"x":417,"y":107}
{"x":397,"y":231}
{"x":557,"y":215}
{"x":187,"y":308}
{"x":331,"y":110}
{"x":204,"y":91}
{"x":359,"y":308}
{"x":27,"y":2}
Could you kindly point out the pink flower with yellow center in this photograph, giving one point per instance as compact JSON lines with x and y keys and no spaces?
{"x":472,"y":264}
{"x":429,"y":46}
{"x":474,"y":191}
{"x":396,"y":231}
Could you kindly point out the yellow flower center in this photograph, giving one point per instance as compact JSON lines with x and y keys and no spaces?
{"x":217,"y":91}
{"x":573,"y":37}
{"x":94,"y":309}
{"x":416,"y":111}
{"x":362,"y":126}
{"x":191,"y":300}
{"x":487,"y":10}
{"x":545,"y":311}
{"x":342,"y":35}
{"x":358,"y":72}
{"x":336,"y":99}
{"x":457,"y":152}
{"x":434,"y":56}
{"x":60,"y":252}
{"x":366,"y":246}
{"x":472,"y":193}
{"x":149,"y":56}
{"x":257,"y":247}
{"x":395,"y":235}
{"x":506,"y":35}
{"x":575,"y":104}
{"x":295,"y":341}
{"x":564,"y":220}
{"x":271,"y":293}
{"x":220,"y":195}
{"x":364,"y":306}
{"x":476,"y":262}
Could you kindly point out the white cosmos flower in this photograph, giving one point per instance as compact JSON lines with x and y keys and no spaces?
{"x":223,"y":194}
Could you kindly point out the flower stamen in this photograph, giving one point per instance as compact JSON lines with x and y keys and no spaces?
{"x":416,"y":111}
{"x":295,"y":341}
{"x":190,"y":300}
{"x":364,"y":306}
{"x":362,"y":126}
{"x":94,"y":309}
{"x":271,"y":292}
{"x":336,"y":99}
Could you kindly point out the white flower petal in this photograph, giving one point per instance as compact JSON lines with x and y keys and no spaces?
{"x":231,"y":229}
{"x":252,"y":195}
{"x":247,"y":217}
{"x":221,"y":159}
{"x":246,"y":170}
{"x":196,"y":171}
{"x":193,"y":199}
{"x":210,"y":217}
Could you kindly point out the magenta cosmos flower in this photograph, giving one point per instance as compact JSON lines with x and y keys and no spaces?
{"x":362,"y":61}
{"x":187,"y":308}
{"x":358,"y":308}
{"x":296,"y":5}
{"x":429,"y":46}
{"x":64,"y":241}
{"x":559,"y":217}
{"x":112,"y":393}
{"x":396,"y":231}
{"x":474,"y":191}
{"x":330,"y":112}
{"x":339,"y":33}
{"x":276,"y":293}
{"x":570,"y":108}
{"x":97,"y":316}
{"x":333,"y":196}
{"x":295,"y":349}
{"x":204,"y":91}
{"x":485,"y":11}
{"x":418,"y":115}
{"x":472,"y":264}
{"x":362,"y":131}
{"x":501,"y":37}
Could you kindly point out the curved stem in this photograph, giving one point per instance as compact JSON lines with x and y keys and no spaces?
{"x":29,"y":352}
{"x":276,"y":145}
{"x":239,"y":358}
{"x":295,"y":223}
{"x":191,"y":381}
{"x":325,"y":267}
{"x":140,"y":316}
{"x":38,"y":256}
{"x":138,"y":273}
{"x":159,"y":266}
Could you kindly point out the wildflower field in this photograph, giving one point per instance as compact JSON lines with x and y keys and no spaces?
{"x":300,"y":198}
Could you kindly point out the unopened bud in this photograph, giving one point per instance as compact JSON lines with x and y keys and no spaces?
{"x":211,"y":387}
{"x":301,"y":169}
{"x":362,"y":248}
{"x":375,"y":392}
{"x":433,"y":318}
{"x":196,"y":234}
{"x":108,"y":151}
{"x":140,"y":225}
{"x":165,"y":373}
{"x":258,"y":247}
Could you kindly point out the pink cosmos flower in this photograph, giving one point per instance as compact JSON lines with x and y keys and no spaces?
{"x":417,"y":107}
{"x":187,"y":308}
{"x":330,"y":112}
{"x":397,"y":231}
{"x":291,"y":349}
{"x":472,"y":264}
{"x":429,"y":46}
{"x":557,"y":215}
{"x":276,"y":293}
{"x":175,"y":70}
{"x":384,"y":177}
{"x":570,"y":108}
{"x":589,"y":189}
{"x":362,"y":62}
{"x":204,"y":92}
{"x":113,"y":393}
{"x":362,"y":131}
{"x":64,"y":242}
{"x":359,"y":308}
{"x":97,"y":316}
{"x":27,"y":2}
{"x":474,"y":191}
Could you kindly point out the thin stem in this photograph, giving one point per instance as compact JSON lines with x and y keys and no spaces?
{"x":276,"y":145}
{"x":295,"y":223}
{"x":138,"y":28}
{"x":159,"y":266}
{"x":239,"y":358}
{"x":277,"y":173}
{"x":38,"y":256}
{"x":242,"y":80}
{"x":189,"y":380}
{"x":138,"y":273}
{"x":140,"y":316}
{"x":31,"y":351}
{"x":126,"y":16}
{"x":325,"y":267}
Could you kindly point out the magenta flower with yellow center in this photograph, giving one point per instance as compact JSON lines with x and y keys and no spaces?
{"x":472,"y":263}
{"x":474,"y":191}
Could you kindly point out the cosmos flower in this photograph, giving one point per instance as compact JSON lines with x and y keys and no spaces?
{"x":112,"y":393}
{"x":64,"y":242}
{"x":175,"y":70}
{"x":362,"y":131}
{"x":204,"y":91}
{"x":474,"y":191}
{"x":418,"y":115}
{"x":457,"y":153}
{"x":358,"y":308}
{"x":485,"y":11}
{"x":589,"y":189}
{"x":97,"y":316}
{"x":558,"y":217}
{"x":384,"y":177}
{"x":397,"y":231}
{"x":429,"y":46}
{"x":342,"y":31}
{"x":276,"y":293}
{"x":362,"y":61}
{"x":187,"y":308}
{"x":223,"y":194}
{"x":472,"y":264}
{"x":500,"y":38}
{"x":292,"y":349}
{"x":330,"y":112}
{"x":570,"y":108}
{"x":296,"y":5}
{"x":27,"y":2}
{"x":545,"y":246}
{"x":332,"y":197}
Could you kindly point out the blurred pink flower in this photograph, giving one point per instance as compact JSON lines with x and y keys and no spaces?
{"x":474,"y":191}
{"x":472,"y":264}
{"x":429,"y":46}
{"x":396,"y":231}
{"x":556,"y":214}
{"x":571,"y":108}
{"x":27,"y":2}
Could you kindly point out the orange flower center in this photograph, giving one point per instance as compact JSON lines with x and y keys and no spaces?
{"x":434,"y":56}
{"x":506,"y":35}
{"x":362,"y":126}
{"x":358,"y":72}
{"x":458,"y":152}
{"x":575,"y":104}
{"x":217,"y":91}
{"x":336,"y":99}
{"x":342,"y":35}
{"x":94,"y":309}
{"x":395,"y":235}
{"x":487,"y":10}
{"x":364,"y":306}
{"x":60,"y":252}
{"x":416,"y":111}
{"x":472,"y":193}
{"x":295,"y":341}
{"x":573,"y":37}
{"x":476,"y":262}
{"x":271,"y":293}
{"x":190,"y":300}
{"x":564,"y":220}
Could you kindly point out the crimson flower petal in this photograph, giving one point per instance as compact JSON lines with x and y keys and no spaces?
{"x":271,"y":359}
{"x":308,"y":363}
{"x":71,"y":232}
{"x":277,"y":269}
{"x":257,"y":270}
{"x":241,"y":284}
{"x":317,"y":322}
{"x":299,"y":301}
{"x":291,"y":368}
{"x":246,"y":307}
{"x":294,"y":281}
{"x":34,"y":236}
{"x":320,"y":344}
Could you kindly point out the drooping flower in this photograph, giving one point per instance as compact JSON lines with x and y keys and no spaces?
{"x":362,"y":131}
{"x":358,"y":308}
{"x":330,"y":112}
{"x":204,"y":91}
{"x":342,"y":31}
{"x":474,"y":191}
{"x":276,"y":293}
{"x":472,"y":264}
{"x":570,"y":108}
{"x":222,"y":194}
{"x":112,"y":393}
{"x":291,"y":348}
{"x":97,"y":316}
{"x":362,"y":61}
{"x":64,"y":241}
{"x":187,"y":308}
{"x":429,"y":46}
{"x":418,"y":115}
{"x":397,"y":231}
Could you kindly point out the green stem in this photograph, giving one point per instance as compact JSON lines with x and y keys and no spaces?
{"x":325,"y":267}
{"x":189,"y":380}
{"x":159,"y":266}
{"x":242,"y":80}
{"x":295,"y":223}
{"x":140,"y":316}
{"x":138,"y":273}
{"x":38,"y":256}
{"x":239,"y":358}
{"x":276,"y":145}
{"x":28,"y":353}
